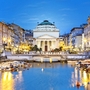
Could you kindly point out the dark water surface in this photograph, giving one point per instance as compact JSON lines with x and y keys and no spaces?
{"x":45,"y":76}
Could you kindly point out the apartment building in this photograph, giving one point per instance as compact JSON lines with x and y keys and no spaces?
{"x":87,"y":35}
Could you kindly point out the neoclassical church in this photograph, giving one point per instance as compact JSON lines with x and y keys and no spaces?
{"x":46,"y":36}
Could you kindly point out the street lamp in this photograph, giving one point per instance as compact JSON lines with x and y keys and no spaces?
{"x":9,"y":42}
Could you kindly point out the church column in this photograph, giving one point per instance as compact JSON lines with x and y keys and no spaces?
{"x":57,"y":43}
{"x":39,"y":44}
{"x":48,"y":45}
{"x":52,"y":44}
{"x":43,"y":46}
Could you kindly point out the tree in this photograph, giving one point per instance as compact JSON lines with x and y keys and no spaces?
{"x":35,"y":48}
{"x":24,"y":47}
{"x":60,"y":48}
{"x":61,"y":45}
{"x":56,"y":50}
{"x":40,"y":50}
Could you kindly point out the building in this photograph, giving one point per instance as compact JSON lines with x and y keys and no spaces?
{"x":66,"y":39}
{"x":18,"y":34}
{"x":87,"y":35}
{"x":46,"y":36}
{"x":70,"y":40}
{"x":77,"y":37}
{"x":11,"y":35}
{"x":5,"y":35}
{"x":29,"y":36}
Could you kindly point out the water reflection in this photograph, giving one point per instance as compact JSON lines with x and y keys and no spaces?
{"x":47,"y":59}
{"x":18,"y":77}
{"x":82,"y":77}
{"x":41,"y":59}
{"x":48,"y":65}
{"x":50,"y":60}
{"x":46,"y":76}
{"x":7,"y":81}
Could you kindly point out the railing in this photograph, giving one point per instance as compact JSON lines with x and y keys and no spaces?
{"x":57,"y":55}
{"x":51,"y":53}
{"x":64,"y":55}
{"x":76,"y":57}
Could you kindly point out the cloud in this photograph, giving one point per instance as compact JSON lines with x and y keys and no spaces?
{"x":23,"y":15}
{"x":65,"y":9}
{"x":43,"y":2}
{"x":27,"y":18}
{"x":32,"y":6}
{"x":87,"y":3}
{"x":30,"y":20}
{"x":62,"y":19}
{"x":34,"y":19}
{"x":44,"y":16}
{"x":36,"y":5}
{"x":64,"y":14}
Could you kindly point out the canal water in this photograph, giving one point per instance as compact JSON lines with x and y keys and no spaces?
{"x":46,"y":76}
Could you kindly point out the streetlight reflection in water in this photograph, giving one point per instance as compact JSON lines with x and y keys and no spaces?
{"x":7,"y":81}
{"x":28,"y":78}
{"x":82,"y":77}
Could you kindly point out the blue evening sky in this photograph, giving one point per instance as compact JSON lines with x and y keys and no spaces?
{"x":65,"y":13}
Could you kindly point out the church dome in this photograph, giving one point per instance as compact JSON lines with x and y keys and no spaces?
{"x":45,"y":22}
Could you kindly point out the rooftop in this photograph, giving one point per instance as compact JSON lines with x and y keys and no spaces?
{"x":45,"y":22}
{"x":77,"y":28}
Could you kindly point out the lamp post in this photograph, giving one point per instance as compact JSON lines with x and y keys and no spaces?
{"x":9,"y":42}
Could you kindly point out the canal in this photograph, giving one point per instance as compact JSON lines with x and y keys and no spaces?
{"x":46,"y":76}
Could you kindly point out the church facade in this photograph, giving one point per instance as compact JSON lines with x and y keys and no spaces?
{"x":46,"y":36}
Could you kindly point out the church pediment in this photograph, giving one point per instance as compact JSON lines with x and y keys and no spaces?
{"x":46,"y":36}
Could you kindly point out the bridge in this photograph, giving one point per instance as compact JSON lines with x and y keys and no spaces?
{"x":47,"y":56}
